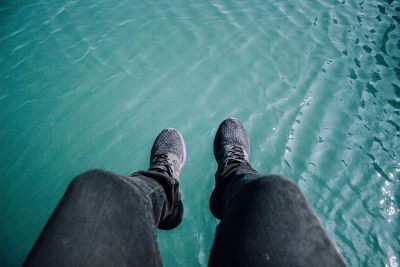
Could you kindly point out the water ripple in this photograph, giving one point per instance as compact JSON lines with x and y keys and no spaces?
{"x":317,"y":85}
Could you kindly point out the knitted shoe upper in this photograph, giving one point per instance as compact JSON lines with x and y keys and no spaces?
{"x":231,"y":142}
{"x":168,"y":153}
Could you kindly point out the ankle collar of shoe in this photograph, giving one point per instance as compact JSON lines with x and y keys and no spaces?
{"x":161,"y":163}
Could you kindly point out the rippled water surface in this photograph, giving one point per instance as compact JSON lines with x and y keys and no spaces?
{"x":87,"y":84}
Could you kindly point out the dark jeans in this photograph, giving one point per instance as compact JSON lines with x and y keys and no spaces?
{"x":266,"y":221}
{"x":109,"y":220}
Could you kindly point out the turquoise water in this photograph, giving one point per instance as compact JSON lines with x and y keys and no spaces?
{"x":316,"y":83}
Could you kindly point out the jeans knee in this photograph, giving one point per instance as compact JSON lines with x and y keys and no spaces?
{"x":269,"y":183}
{"x":91,"y":177}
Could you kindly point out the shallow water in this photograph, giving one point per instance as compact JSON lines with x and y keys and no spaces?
{"x":316,"y":83}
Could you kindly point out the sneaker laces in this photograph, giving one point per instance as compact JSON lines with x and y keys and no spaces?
{"x":161,"y":163}
{"x":236,"y":154}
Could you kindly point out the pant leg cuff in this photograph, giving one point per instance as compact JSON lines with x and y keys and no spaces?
{"x":174,"y":219}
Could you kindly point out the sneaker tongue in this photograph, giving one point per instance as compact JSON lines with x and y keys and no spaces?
{"x":168,"y":165}
{"x":234,"y":150}
{"x":234,"y":154}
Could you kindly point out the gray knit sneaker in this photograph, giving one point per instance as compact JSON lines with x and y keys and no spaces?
{"x":168,"y":153}
{"x":231,"y":143}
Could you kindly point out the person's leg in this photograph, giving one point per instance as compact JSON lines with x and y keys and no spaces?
{"x":109,"y":220}
{"x":265,"y":219}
